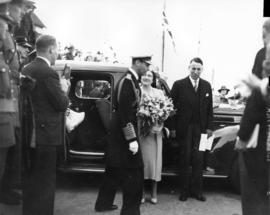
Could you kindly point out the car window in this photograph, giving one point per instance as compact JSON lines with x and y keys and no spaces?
{"x":92,"y":89}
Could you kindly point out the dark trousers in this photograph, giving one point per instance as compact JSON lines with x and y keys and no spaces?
{"x":3,"y":157}
{"x":12,"y":174}
{"x":12,"y":171}
{"x":253,"y":192}
{"x":39,"y":182}
{"x":191,"y":161}
{"x":131,"y":183}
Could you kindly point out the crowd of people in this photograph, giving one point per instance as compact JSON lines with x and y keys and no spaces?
{"x":72,"y":53}
{"x":28,"y":154}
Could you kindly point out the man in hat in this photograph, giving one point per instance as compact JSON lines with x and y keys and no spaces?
{"x":24,"y":49}
{"x":124,"y":165}
{"x":9,"y":104}
{"x":223,"y":92}
{"x":25,"y":31}
{"x":70,"y":54}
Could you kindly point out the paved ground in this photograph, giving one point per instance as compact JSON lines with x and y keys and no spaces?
{"x":76,"y":195}
{"x":80,"y":199}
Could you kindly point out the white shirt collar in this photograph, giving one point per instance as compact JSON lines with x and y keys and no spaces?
{"x":193,"y":81}
{"x":45,"y":59}
{"x":134,"y":73}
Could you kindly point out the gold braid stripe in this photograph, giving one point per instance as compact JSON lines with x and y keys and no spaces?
{"x":129,"y":132}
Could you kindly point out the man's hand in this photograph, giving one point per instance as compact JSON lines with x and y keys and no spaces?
{"x":133,"y":147}
{"x":173,"y":134}
{"x":65,"y":84}
{"x":209,"y":133}
{"x":240,"y":145}
{"x":252,"y":82}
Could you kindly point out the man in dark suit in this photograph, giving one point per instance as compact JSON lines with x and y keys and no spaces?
{"x":50,"y":101}
{"x":124,"y":165}
{"x":192,"y":97}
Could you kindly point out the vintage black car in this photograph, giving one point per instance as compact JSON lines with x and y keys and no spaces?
{"x":84,"y":145}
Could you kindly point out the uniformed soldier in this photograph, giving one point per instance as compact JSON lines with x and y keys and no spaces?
{"x":124,"y":165}
{"x":9,"y":103}
{"x":7,"y":107}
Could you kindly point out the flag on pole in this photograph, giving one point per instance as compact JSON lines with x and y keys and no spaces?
{"x":165,"y":24}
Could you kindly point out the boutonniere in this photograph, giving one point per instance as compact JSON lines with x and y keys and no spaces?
{"x":207,"y":94}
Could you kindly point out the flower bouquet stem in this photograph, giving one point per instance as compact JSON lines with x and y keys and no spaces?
{"x":156,"y":128}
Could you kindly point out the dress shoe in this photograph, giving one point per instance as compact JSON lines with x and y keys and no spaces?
{"x":153,"y":201}
{"x":8,"y":199}
{"x":183,"y":197}
{"x":199,"y":197}
{"x":111,"y":208}
{"x":13,"y":194}
{"x":143,"y":200}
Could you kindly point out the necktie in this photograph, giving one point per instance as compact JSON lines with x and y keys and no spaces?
{"x":195,"y":85}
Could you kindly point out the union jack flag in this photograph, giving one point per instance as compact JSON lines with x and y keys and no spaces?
{"x":165,"y":25}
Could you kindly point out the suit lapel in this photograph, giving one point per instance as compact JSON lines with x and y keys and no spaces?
{"x":202,"y":92}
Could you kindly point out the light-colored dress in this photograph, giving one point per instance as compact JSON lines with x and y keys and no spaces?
{"x":151,"y":148}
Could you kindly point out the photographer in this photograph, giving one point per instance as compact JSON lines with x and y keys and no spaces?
{"x":49,"y":100}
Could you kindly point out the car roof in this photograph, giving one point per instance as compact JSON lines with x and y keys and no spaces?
{"x":86,"y":65}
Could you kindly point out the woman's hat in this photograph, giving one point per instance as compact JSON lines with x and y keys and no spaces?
{"x":223,"y":88}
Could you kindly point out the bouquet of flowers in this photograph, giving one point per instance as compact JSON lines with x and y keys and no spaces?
{"x":153,"y":112}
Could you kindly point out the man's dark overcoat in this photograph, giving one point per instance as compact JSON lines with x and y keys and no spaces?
{"x":49,"y":104}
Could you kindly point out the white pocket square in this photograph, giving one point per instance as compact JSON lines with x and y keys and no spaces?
{"x":207,"y":94}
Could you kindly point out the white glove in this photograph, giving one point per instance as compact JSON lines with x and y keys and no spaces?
{"x":133,"y":147}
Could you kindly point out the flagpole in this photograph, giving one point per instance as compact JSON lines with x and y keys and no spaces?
{"x":199,"y":40}
{"x":163,"y":40}
{"x":213,"y":79}
{"x":163,"y":50}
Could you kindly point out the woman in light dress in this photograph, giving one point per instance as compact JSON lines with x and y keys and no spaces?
{"x":151,"y":145}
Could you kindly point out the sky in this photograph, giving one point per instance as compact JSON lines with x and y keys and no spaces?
{"x":226,"y":34}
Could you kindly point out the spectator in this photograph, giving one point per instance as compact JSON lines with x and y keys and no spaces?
{"x":223,"y":92}
{"x":70,"y":54}
{"x":50,"y":101}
